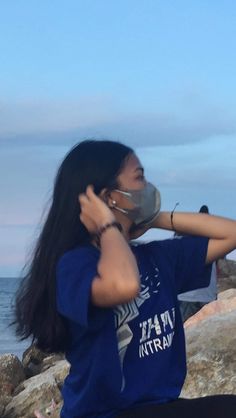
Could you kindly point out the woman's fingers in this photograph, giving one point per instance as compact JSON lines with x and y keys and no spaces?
{"x":86,"y":208}
{"x":94,"y":207}
{"x":90,"y":190}
{"x":88,"y":195}
{"x":83,"y":199}
{"x":91,"y":195}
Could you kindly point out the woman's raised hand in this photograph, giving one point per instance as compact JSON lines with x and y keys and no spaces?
{"x":94,"y":212}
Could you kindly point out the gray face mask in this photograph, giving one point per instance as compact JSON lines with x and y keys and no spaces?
{"x":147,"y":204}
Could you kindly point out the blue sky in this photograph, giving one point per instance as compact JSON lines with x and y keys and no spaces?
{"x":159,"y":76}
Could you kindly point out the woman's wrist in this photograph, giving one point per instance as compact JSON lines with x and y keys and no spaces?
{"x":106,"y":227}
{"x":106,"y":220}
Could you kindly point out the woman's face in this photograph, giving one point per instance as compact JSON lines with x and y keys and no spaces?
{"x":132,"y":176}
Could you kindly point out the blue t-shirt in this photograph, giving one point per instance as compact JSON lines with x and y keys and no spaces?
{"x":134,"y":353}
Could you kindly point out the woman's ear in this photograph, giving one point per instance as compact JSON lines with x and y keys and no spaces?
{"x":105,"y":195}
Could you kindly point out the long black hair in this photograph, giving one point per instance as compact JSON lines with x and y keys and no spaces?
{"x":89,"y":162}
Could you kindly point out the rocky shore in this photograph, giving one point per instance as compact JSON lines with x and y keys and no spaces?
{"x":31,"y":388}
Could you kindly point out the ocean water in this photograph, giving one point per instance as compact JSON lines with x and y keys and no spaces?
{"x":8,"y":341}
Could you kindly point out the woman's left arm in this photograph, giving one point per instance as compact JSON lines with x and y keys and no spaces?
{"x":221,"y":231}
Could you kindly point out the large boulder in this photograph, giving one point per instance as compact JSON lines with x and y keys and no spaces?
{"x":37,"y":392}
{"x":226,"y":302}
{"x":11,"y":374}
{"x":211,"y":354}
{"x":227,"y":294}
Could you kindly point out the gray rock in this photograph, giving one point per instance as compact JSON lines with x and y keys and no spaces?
{"x":226,"y":268}
{"x":211,"y":354}
{"x":11,"y":372}
{"x":4,"y":400}
{"x":37,"y":392}
{"x":225,"y":283}
{"x":32,"y":360}
{"x":226,"y":273}
{"x":36,"y":361}
{"x":51,"y":361}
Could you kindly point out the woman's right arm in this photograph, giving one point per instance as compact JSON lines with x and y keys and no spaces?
{"x":118,"y":277}
{"x":118,"y":280}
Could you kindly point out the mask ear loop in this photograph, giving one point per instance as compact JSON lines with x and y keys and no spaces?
{"x":123,"y":192}
{"x":116,"y":207}
{"x":119,"y":209}
{"x":114,"y":202}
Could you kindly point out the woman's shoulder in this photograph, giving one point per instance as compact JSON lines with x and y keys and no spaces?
{"x":158,"y":248}
{"x":169,"y":248}
{"x":161,"y":244}
{"x":78,"y":254}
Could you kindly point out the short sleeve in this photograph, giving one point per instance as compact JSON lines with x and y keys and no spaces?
{"x":186,"y":258}
{"x":75,"y":272}
{"x":191,"y":269}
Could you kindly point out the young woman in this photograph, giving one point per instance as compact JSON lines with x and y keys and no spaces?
{"x":110,"y":305}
